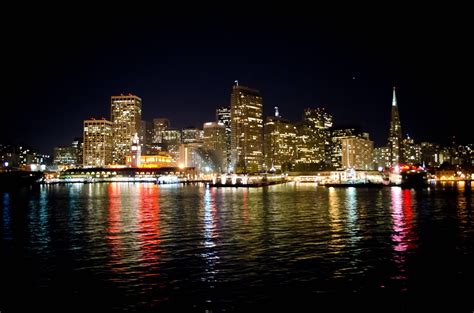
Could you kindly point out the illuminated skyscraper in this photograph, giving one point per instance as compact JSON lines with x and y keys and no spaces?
{"x":314,"y":140}
{"x":410,"y":152}
{"x":223,"y":117}
{"x":357,"y":152}
{"x":159,"y":126}
{"x":381,"y":157}
{"x":430,"y":153}
{"x":78,"y":144}
{"x":146,"y":138}
{"x":395,"y":135}
{"x":191,"y":134}
{"x":97,"y":143}
{"x":126,"y":111}
{"x":70,"y":155}
{"x":336,"y":145}
{"x":171,"y":139}
{"x":215,"y":143}
{"x":246,"y":129}
{"x":280,"y":143}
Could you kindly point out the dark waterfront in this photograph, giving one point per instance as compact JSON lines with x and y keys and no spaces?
{"x":144,"y":247}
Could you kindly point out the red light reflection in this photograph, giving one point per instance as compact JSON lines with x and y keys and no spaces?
{"x":149,"y":223}
{"x":403,"y":235}
{"x":114,"y":238}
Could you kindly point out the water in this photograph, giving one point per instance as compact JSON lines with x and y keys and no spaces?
{"x":143,"y":247}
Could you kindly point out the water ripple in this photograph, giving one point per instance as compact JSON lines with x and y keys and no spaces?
{"x":145,"y":246}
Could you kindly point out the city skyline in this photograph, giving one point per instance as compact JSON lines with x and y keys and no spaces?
{"x":237,"y":160}
{"x":350,"y":72}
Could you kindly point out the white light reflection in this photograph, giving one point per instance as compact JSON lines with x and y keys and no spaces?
{"x":337,"y":242}
{"x":209,"y":212}
{"x":210,"y":234}
{"x":351,"y":205}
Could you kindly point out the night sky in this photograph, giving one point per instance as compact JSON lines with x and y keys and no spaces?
{"x":61,"y":71}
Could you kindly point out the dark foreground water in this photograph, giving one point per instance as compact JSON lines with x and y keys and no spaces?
{"x":143,"y":247}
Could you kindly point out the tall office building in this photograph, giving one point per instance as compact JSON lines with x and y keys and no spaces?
{"x":410,"y":152}
{"x":246,"y":129}
{"x":97,"y":143}
{"x":314,"y":140}
{"x":336,"y":145}
{"x":70,"y":155}
{"x":395,"y":135}
{"x":223,"y":117}
{"x":146,"y":138}
{"x":191,"y":134}
{"x":171,"y":140}
{"x":65,"y":156}
{"x":430,"y":153}
{"x":280,"y":143}
{"x":215,"y":143}
{"x":160,"y":125}
{"x":381,"y":157}
{"x":357,"y":152}
{"x":78,"y":144}
{"x":126,"y":111}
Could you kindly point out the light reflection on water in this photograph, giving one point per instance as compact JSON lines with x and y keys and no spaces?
{"x":210,"y":233}
{"x":150,"y":245}
{"x":6,"y":218}
{"x":404,"y":233}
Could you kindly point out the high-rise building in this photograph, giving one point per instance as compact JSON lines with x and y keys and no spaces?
{"x":223,"y":117}
{"x":381,"y":157}
{"x":215,"y":143}
{"x":246,"y":129}
{"x":191,"y":134}
{"x":171,"y":139}
{"x":336,"y":145}
{"x":280,"y":143}
{"x":357,"y":152}
{"x":97,"y":143}
{"x":146,"y":138}
{"x":65,"y":156}
{"x":126,"y":111}
{"x":430,"y":154}
{"x":410,"y":152}
{"x":78,"y":145}
{"x":160,"y":125}
{"x":314,"y":140}
{"x":395,"y":135}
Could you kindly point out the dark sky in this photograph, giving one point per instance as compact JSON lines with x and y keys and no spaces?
{"x":61,"y":71}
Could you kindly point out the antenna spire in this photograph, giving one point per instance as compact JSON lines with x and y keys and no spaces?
{"x":394,"y":99}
